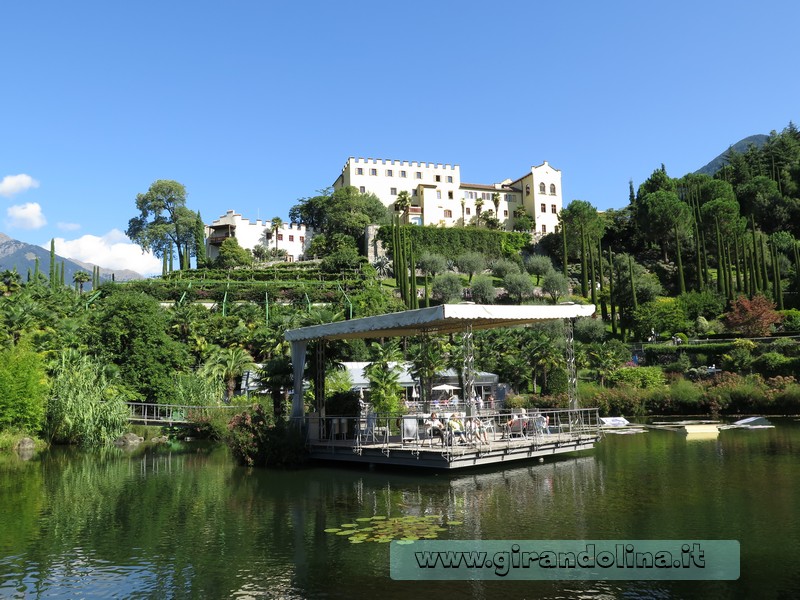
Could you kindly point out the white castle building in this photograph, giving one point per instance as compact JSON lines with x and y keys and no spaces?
{"x":439,"y":197}
{"x":294,"y":238}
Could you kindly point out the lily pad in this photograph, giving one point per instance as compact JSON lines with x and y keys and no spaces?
{"x":332,"y":530}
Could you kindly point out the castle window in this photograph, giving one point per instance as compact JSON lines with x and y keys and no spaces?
{"x":280,"y":237}
{"x":362,"y":189}
{"x":419,"y":175}
{"x":448,"y":214}
{"x":373,"y":171}
{"x":302,"y":239}
{"x":402,"y":173}
{"x":359,"y":171}
{"x":527,"y":190}
{"x":544,"y":228}
{"x":505,"y":213}
{"x":393,"y":191}
{"x":543,"y":207}
{"x":468,"y":211}
{"x":291,"y":238}
{"x":438,"y":195}
{"x":449,"y":195}
{"x":541,"y":188}
{"x":553,"y":208}
{"x":438,"y":178}
{"x":449,"y":179}
{"x":388,"y":172}
{"x":552,"y":189}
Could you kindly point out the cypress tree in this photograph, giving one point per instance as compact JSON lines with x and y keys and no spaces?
{"x":764,"y":264}
{"x":584,"y":266}
{"x":759,"y":281}
{"x":633,"y":284}
{"x":739,"y":286}
{"x":564,"y":246}
{"x":593,"y":275}
{"x":200,"y":241}
{"x":611,"y":291}
{"x":720,"y":277}
{"x":36,"y":271}
{"x":603,"y":306}
{"x":53,"y":281}
{"x":61,"y":280}
{"x":681,"y":280}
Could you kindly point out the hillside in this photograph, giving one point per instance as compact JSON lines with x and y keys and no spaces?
{"x":741,"y":146}
{"x":22,"y":256}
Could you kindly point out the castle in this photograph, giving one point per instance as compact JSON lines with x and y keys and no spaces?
{"x":439,"y":197}
{"x":437,"y":194}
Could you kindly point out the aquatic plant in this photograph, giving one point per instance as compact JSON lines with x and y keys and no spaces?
{"x":382,"y":529}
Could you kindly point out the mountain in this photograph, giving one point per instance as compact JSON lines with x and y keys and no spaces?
{"x":22,"y":257}
{"x":741,"y":146}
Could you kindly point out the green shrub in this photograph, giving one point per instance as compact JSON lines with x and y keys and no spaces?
{"x":771,"y":364}
{"x":556,"y":383}
{"x":256,"y":442}
{"x":639,"y":377}
{"x":685,"y":397}
{"x":791,"y":319}
{"x":23,"y":389}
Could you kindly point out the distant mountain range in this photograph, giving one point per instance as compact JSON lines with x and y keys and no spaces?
{"x":22,"y":257}
{"x":741,"y":146}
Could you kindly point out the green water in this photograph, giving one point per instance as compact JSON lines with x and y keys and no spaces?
{"x":184,"y":522}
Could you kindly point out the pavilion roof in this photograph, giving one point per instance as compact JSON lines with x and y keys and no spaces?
{"x":442,"y":319}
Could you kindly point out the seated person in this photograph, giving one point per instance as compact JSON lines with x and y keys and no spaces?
{"x":436,"y":427}
{"x":477,"y":429}
{"x":456,"y":428}
{"x":517,"y":422}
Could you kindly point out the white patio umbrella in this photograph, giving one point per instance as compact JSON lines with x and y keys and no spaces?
{"x":446,"y":387}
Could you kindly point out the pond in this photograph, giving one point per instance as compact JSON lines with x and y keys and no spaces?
{"x":182,"y":521}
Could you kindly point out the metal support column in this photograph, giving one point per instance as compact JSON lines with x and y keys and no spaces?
{"x":572,"y":374}
{"x":469,"y":370}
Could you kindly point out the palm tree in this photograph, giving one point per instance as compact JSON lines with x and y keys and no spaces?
{"x":10,"y":282}
{"x":228,"y":364}
{"x":80,"y":277}
{"x":402,"y":204}
{"x":277,"y":377}
{"x":275,"y":225}
{"x":496,"y":201}
{"x":383,"y":374}
{"x":463,"y":215}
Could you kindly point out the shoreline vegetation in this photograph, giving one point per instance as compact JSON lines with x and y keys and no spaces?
{"x":708,"y":264}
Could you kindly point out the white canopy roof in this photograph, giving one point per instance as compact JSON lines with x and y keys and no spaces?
{"x":442,"y":319}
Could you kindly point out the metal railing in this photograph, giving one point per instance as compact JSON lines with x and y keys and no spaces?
{"x":144,"y":412}
{"x":484,"y":430}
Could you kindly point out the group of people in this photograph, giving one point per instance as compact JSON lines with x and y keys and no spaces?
{"x":455,"y":429}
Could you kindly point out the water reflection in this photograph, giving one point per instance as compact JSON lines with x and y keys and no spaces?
{"x":183,"y":521}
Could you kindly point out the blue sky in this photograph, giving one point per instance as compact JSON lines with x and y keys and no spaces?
{"x":252,"y":105}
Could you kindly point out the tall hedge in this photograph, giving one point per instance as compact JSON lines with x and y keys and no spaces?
{"x":454,"y":241}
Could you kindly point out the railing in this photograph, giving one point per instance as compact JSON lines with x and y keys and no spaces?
{"x":143,"y":412}
{"x":485,"y":429}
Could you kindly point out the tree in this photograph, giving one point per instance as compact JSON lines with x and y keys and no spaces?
{"x":231,"y":254}
{"x":471,"y":263}
{"x":555,"y":285}
{"x":402,"y":204}
{"x":128,"y":329}
{"x":539,"y":265}
{"x":164,"y":221}
{"x":275,"y":226}
{"x":200,"y":240}
{"x":80,"y":277}
{"x":345,"y":211}
{"x":228,"y":364}
{"x":432,"y":263}
{"x":383,"y":373}
{"x":447,"y":287}
{"x":518,"y":285}
{"x":752,"y":317}
{"x":483,"y":290}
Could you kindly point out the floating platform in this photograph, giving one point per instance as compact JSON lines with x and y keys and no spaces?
{"x":566,"y":433}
